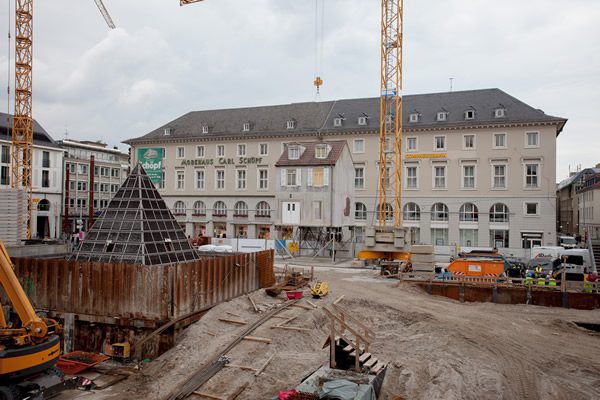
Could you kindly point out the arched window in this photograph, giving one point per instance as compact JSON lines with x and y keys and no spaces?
{"x":499,"y":213}
{"x":199,"y":208}
{"x":179,"y":208}
{"x":469,"y":213}
{"x":439,"y":212}
{"x":43,"y":205}
{"x":263,"y":209}
{"x":240,"y":209}
{"x":360,"y":211}
{"x":388,"y":211}
{"x":412,"y":212}
{"x":220,"y":209}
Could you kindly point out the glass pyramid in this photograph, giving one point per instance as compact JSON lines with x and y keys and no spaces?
{"x":137,"y":227}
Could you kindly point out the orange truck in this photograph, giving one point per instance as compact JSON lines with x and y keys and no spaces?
{"x":476,"y":267}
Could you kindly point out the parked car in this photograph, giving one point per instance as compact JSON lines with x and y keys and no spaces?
{"x":567,"y":242}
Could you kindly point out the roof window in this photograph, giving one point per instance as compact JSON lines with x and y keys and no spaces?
{"x":246,"y":127}
{"x":167,"y":131}
{"x":470,"y":114}
{"x":291,"y":124}
{"x":205,"y":129}
{"x":294,"y":152}
{"x":413,"y":117}
{"x":321,"y":151}
{"x":362,"y":120}
{"x":337,"y":121}
{"x":442,"y":116}
{"x":500,"y":113}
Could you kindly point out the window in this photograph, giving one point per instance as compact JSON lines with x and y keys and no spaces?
{"x":499,"y":140}
{"x":470,"y":114}
{"x":531,"y":175}
{"x":294,"y":152}
{"x":199,"y":208}
{"x":5,"y":158}
{"x":439,"y":142}
{"x":45,"y":178}
{"x":362,"y":120}
{"x":180,"y":180}
{"x":469,"y":237}
{"x":439,"y":236}
{"x":246,"y":127}
{"x":469,"y":213}
{"x":241,"y":179}
{"x":439,"y":212}
{"x":468,"y":142}
{"x":439,"y":177}
{"x":317,"y":210}
{"x":291,"y":124}
{"x":82,"y":186}
{"x":263,"y":179}
{"x":498,"y":238}
{"x":499,"y":178}
{"x":412,"y":212}
{"x":499,"y":113}
{"x":4,"y":175}
{"x":83,"y":169}
{"x":413,"y":117}
{"x":179,"y":208}
{"x":263,"y":209}
{"x":240,"y":209}
{"x":442,"y":116}
{"x":181,"y":152}
{"x":359,"y":145}
{"x":219,"y":209}
{"x":337,"y":122}
{"x":387,"y":210}
{"x":499,"y":213}
{"x":220,"y":179}
{"x":220,"y":150}
{"x":114,"y":173}
{"x":200,"y":179}
{"x":317,"y":178}
{"x":45,"y":160}
{"x":411,"y":178}
{"x":360,"y":211}
{"x":199,"y":151}
{"x":411,"y":144}
{"x":81,"y":203}
{"x":263,"y":149}
{"x":532,"y":139}
{"x":359,"y":177}
{"x":468,"y":177}
{"x":531,"y":209}
{"x":163,"y":182}
{"x":167,"y":131}
{"x":205,"y":129}
{"x":321,"y":151}
{"x":291,"y":177}
{"x":241,"y":150}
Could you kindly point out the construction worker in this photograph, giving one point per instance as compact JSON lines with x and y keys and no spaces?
{"x":528,"y":280}
{"x":551,"y":280}
{"x":538,"y":271}
{"x":587,"y":285}
{"x":541,"y":280}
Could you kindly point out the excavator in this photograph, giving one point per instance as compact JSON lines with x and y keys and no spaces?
{"x":29,"y":345}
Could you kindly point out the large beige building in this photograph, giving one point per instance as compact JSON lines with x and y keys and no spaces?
{"x":479,"y":166}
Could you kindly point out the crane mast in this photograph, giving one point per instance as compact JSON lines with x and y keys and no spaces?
{"x":390,"y":115}
{"x":22,"y":130}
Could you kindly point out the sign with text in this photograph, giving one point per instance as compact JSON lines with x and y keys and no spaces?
{"x":152,"y":161}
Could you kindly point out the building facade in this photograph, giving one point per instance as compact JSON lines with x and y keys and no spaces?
{"x":110,"y":170}
{"x":47,"y":175}
{"x":578,"y":204}
{"x":478,"y":166}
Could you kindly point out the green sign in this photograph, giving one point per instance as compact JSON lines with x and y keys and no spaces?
{"x":152,"y":161}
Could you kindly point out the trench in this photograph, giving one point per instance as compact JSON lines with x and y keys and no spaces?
{"x":588,"y":326}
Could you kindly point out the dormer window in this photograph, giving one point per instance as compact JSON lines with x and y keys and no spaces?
{"x":293,"y":152}
{"x":167,"y":131}
{"x":499,"y":113}
{"x":291,"y":124}
{"x":362,"y":120}
{"x":414,"y":117}
{"x":337,"y":121}
{"x":205,"y":129}
{"x":442,"y":116}
{"x":321,"y":151}
{"x":470,"y":114}
{"x":246,"y":127}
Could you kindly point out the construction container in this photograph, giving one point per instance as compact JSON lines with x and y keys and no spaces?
{"x":476,"y":267}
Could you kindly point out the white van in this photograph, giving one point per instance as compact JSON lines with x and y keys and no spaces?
{"x":567,"y":242}
{"x":578,"y":258}
{"x":547,"y":251}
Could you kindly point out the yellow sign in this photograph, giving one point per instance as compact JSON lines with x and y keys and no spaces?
{"x":427,"y":155}
{"x":35,"y":200}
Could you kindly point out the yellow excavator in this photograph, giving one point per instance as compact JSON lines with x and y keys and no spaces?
{"x":29,"y":345}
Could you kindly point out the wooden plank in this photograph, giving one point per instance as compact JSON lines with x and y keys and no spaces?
{"x":208,"y":395}
{"x":370,"y":363}
{"x":233,"y":321}
{"x":338,"y":299}
{"x":253,"y":303}
{"x":239,"y":391}
{"x":261,"y":369}
{"x":379,"y":366}
{"x":234,"y":314}
{"x":291,"y":328}
{"x":311,"y":303}
{"x":364,"y":357}
{"x":302,"y":306}
{"x":258,"y":339}
{"x":244,"y":367}
{"x":287,"y":320}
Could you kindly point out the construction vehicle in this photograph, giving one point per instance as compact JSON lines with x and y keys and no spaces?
{"x":29,"y":346}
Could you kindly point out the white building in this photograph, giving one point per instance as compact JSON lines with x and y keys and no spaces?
{"x":47,"y":175}
{"x":479,"y":166}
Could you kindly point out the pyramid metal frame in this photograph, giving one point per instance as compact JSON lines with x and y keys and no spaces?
{"x":137,"y":227}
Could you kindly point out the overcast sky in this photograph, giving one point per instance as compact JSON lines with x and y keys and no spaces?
{"x":164,"y":60}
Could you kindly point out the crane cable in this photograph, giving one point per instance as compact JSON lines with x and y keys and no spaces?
{"x":8,"y":75}
{"x":319,"y":29}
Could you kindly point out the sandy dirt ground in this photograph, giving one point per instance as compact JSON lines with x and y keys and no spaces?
{"x":436,"y":348}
